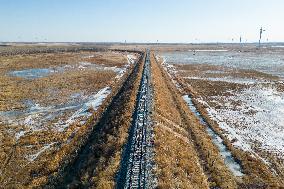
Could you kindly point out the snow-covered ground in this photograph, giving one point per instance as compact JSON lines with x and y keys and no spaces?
{"x":245,"y":81}
{"x":43,"y":72}
{"x":94,"y":101}
{"x":271,"y":63}
{"x":37,"y":117}
{"x":232,"y":164}
{"x":252,"y":116}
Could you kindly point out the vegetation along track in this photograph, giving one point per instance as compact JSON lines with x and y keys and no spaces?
{"x":97,"y":160}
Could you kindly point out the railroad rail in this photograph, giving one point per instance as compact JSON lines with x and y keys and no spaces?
{"x":137,"y":162}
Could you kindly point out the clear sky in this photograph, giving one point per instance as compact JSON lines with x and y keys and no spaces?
{"x":141,"y":20}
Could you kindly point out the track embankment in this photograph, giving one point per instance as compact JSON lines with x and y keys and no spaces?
{"x":256,"y":173}
{"x":97,"y":161}
{"x":184,"y":153}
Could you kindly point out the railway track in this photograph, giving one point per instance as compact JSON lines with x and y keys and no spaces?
{"x":137,"y":165}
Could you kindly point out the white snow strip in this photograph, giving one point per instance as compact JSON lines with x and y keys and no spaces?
{"x":210,"y":50}
{"x":36,"y":155}
{"x":244,"y":81}
{"x":278,"y":46}
{"x":217,"y":140}
{"x":93,"y":102}
{"x":18,"y":135}
{"x":170,"y":69}
{"x":131,"y":58}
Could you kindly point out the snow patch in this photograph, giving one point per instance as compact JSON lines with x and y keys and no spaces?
{"x":36,"y":155}
{"x":244,"y":81}
{"x":94,"y":101}
{"x":256,"y":122}
{"x":209,"y":50}
{"x":131,"y":58}
{"x":217,"y":140}
{"x":18,"y":135}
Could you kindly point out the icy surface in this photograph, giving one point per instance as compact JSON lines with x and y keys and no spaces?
{"x":272,"y":63}
{"x":278,"y":46}
{"x":44,"y":72}
{"x":36,"y":117}
{"x":225,"y":153}
{"x":93,"y":102}
{"x":32,"y":73}
{"x":251,"y":117}
{"x":258,"y":117}
{"x":131,"y":58}
{"x":245,"y":81}
{"x":32,"y":157}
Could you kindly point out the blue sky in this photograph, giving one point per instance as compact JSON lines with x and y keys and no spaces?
{"x":140,"y":20}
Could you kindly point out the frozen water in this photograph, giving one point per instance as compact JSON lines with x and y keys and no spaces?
{"x":271,"y":63}
{"x":278,"y":46}
{"x":257,"y":118}
{"x":252,"y":118}
{"x":218,"y":141}
{"x":44,"y":72}
{"x":245,"y":81}
{"x":32,"y":73}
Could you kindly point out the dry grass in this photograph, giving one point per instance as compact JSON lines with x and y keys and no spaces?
{"x":114,"y":140}
{"x":100,"y":165}
{"x":214,"y":71}
{"x":177,"y":163}
{"x":52,"y":90}
{"x":16,"y":170}
{"x":203,"y":157}
{"x":47,"y":90}
{"x":257,"y":174}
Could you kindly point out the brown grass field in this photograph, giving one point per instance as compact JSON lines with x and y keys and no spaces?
{"x":257,"y":173}
{"x":55,"y":89}
{"x":181,"y":139}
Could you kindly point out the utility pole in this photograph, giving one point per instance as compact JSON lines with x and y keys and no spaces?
{"x":260,"y":35}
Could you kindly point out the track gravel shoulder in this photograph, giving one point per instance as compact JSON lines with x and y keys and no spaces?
{"x":136,"y":169}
